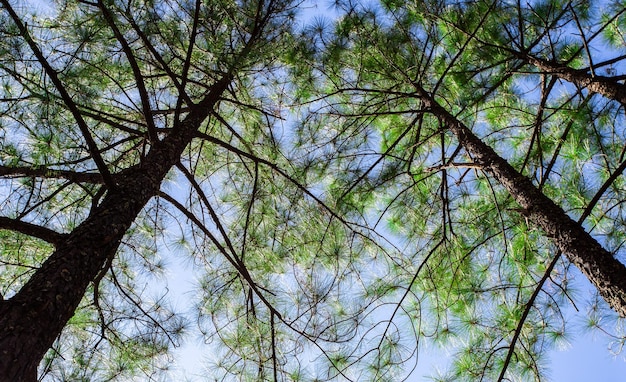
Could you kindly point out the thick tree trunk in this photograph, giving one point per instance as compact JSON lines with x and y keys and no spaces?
{"x":604,"y":271}
{"x":31,"y":320}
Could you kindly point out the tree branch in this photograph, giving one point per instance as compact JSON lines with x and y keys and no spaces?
{"x":30,"y":229}
{"x":141,"y":85}
{"x":67,"y":99}
{"x":237,"y":263}
{"x":179,"y":86}
{"x":42,"y":172}
{"x":606,"y":86}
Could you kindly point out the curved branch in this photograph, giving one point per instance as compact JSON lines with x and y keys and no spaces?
{"x":275,"y":168}
{"x":231,"y":258}
{"x":352,"y":226}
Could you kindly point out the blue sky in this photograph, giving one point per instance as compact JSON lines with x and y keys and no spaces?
{"x":587,"y":360}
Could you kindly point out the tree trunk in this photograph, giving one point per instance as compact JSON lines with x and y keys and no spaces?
{"x":31,"y":320}
{"x":604,"y":271}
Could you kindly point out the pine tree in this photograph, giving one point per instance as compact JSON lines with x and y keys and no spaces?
{"x":101,"y":100}
{"x":399,"y":173}
{"x":500,"y":126}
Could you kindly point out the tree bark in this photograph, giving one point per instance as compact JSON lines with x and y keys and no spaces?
{"x":31,"y":320}
{"x":604,"y":271}
{"x":606,"y":86}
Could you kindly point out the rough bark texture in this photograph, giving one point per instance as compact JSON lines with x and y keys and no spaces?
{"x":604,"y":271}
{"x":606,"y":86}
{"x":32,"y":319}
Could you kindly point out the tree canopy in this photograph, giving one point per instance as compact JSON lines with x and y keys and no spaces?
{"x":343,"y":190}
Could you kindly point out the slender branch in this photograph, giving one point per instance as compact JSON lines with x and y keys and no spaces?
{"x":559,"y":146}
{"x":180,"y":87}
{"x":233,"y":260}
{"x":277,"y":169}
{"x":42,"y":172}
{"x":453,"y":165}
{"x":409,"y":128}
{"x":584,"y":38}
{"x":205,"y":200}
{"x":108,"y":119}
{"x":255,"y":186}
{"x":348,"y":224}
{"x":139,"y":80}
{"x":546,"y":89}
{"x":529,"y":304}
{"x":187,"y":64}
{"x":596,"y":198}
{"x":137,"y":304}
{"x":461,"y":51}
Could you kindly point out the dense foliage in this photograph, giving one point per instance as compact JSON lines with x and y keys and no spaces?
{"x":340,"y":190}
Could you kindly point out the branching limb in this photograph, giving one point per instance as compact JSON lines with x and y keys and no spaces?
{"x":234,"y":261}
{"x":67,"y":99}
{"x":249,"y":210}
{"x":196,"y":186}
{"x":409,"y":128}
{"x":136,"y":303}
{"x":354,"y":227}
{"x":606,"y":86}
{"x":529,"y":304}
{"x":173,"y":76}
{"x":601,"y":268}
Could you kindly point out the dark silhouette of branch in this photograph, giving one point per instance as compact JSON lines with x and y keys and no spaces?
{"x":231,"y":258}
{"x":31,"y":229}
{"x":41,"y":172}
{"x":139,"y":80}
{"x":179,"y":86}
